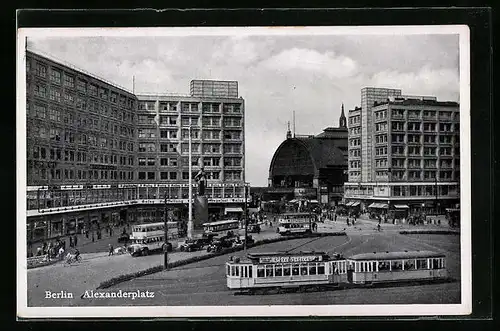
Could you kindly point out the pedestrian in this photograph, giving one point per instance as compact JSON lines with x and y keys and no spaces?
{"x":378,"y":226}
{"x":93,"y":239}
{"x":70,"y":241}
{"x":110,"y":232}
{"x":87,"y":234}
{"x":111,"y":251}
{"x":75,"y":240}
{"x":61,"y":253}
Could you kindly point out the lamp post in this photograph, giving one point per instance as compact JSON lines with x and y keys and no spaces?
{"x":245,"y":217}
{"x":436,"y":189}
{"x":190,"y":189}
{"x":165,"y":250}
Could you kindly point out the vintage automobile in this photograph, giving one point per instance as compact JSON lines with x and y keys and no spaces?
{"x":240,"y":241}
{"x":220,"y":244}
{"x":138,"y":249}
{"x":192,"y":245}
{"x":253,"y":228}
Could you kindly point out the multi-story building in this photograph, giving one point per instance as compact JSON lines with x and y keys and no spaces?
{"x":413,"y":150}
{"x":97,"y":153}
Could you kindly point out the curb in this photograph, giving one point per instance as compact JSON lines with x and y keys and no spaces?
{"x":126,"y":277}
{"x":450,"y":232}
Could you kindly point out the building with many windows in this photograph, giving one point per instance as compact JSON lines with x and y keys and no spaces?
{"x":408,"y":158}
{"x":98,"y":153}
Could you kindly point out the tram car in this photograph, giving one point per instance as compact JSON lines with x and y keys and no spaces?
{"x":277,"y":272}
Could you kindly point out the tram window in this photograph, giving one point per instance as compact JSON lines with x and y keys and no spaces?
{"x":295,"y":270}
{"x":269,"y":271}
{"x":312,"y":269}
{"x":321,"y":269}
{"x":303,"y":270}
{"x":260,"y":271}
{"x":245,"y":272}
{"x":410,"y":265}
{"x":250,"y":271}
{"x":232,"y":270}
{"x":278,"y":270}
{"x":421,"y":264}
{"x":286,"y":270}
{"x":396,"y":265}
{"x":237,"y":271}
{"x":382,"y":266}
{"x":228,"y":270}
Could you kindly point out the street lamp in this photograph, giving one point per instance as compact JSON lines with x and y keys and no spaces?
{"x":165,"y":251}
{"x":436,"y":189}
{"x":190,"y":189}
{"x":245,"y":217}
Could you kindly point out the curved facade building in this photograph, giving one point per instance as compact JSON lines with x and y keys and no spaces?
{"x":312,"y":167}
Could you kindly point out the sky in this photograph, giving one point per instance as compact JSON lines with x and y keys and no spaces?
{"x":277,"y":74}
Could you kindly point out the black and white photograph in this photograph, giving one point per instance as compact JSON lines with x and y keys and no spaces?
{"x":243,"y":171}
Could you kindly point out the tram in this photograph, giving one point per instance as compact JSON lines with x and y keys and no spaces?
{"x":279,"y":272}
{"x":295,"y":223}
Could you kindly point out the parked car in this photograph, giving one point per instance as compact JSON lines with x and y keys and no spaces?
{"x":219,"y":244}
{"x":253,"y":228}
{"x":124,"y":238}
{"x":143,"y":249}
{"x":192,"y":245}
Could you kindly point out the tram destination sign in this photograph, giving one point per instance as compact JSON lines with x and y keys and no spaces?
{"x":291,"y":259}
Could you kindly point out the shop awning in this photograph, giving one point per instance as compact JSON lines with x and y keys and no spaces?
{"x":233,"y":210}
{"x":378,"y":205}
{"x":355,"y":203}
{"x":401,"y":206}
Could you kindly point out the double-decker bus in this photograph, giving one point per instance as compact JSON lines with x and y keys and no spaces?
{"x":150,"y":237}
{"x":220,"y":226}
{"x":296,"y":223}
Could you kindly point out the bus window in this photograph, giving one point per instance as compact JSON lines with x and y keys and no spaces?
{"x":250,"y":271}
{"x":321,"y":269}
{"x":295,"y":270}
{"x":312,"y":269}
{"x":260,"y":271}
{"x":278,"y":270}
{"x":286,"y":270}
{"x":228,"y":270}
{"x":269,"y":271}
{"x":303,"y":270}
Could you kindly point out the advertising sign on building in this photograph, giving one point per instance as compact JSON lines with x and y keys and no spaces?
{"x":291,"y":259}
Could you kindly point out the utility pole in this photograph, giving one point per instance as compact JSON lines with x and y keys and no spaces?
{"x":246,"y":218}
{"x":190,"y":189}
{"x":436,"y":188}
{"x":165,"y":251}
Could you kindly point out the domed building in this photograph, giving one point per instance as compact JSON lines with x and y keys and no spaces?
{"x":312,"y":167}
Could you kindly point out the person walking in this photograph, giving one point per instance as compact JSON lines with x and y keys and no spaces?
{"x":70,"y":241}
{"x":75,"y":240}
{"x":111,"y":251}
{"x":378,"y":226}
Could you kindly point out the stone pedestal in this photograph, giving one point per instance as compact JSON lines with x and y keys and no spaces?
{"x":200,"y":211}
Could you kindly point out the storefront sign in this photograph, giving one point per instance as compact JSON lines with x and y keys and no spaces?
{"x":291,"y":259}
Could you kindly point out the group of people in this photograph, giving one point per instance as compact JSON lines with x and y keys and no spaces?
{"x":55,"y":249}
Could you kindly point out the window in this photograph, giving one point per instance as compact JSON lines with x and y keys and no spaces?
{"x":40,"y":91}
{"x":93,"y":89}
{"x":40,"y":70}
{"x":55,"y":95}
{"x":69,"y":81}
{"x":173,"y":175}
{"x":55,"y":76}
{"x":168,"y":148}
{"x":40,"y":111}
